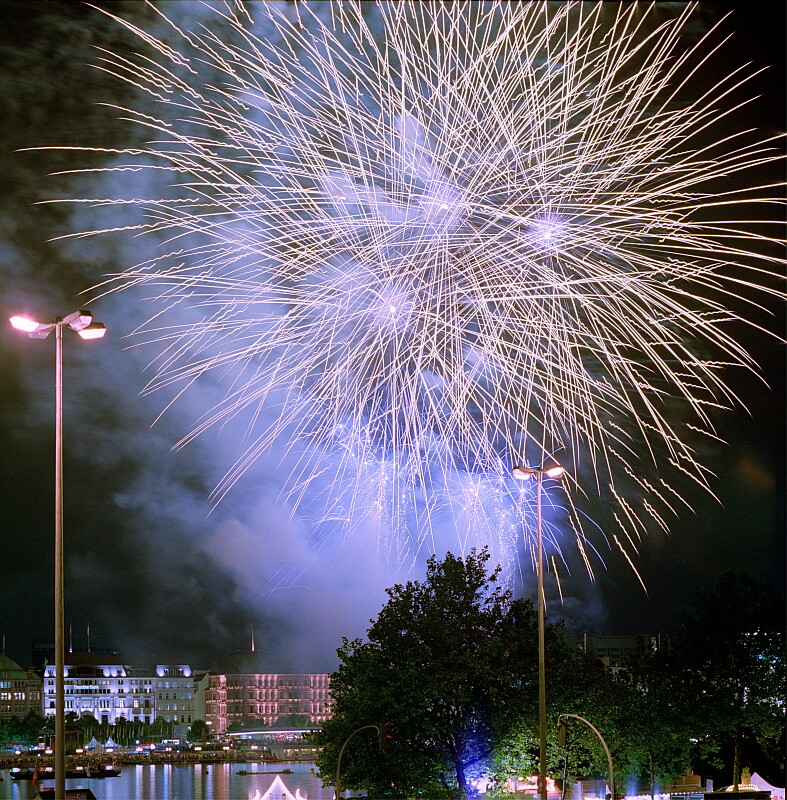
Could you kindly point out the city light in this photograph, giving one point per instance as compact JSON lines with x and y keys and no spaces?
{"x":25,"y":324}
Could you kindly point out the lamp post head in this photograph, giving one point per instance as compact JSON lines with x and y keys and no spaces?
{"x":523,"y":473}
{"x":24,"y":323}
{"x":555,"y":472}
{"x":93,"y":331}
{"x":79,"y":321}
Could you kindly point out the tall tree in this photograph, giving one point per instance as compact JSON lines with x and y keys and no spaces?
{"x":655,"y":724}
{"x":731,"y":644}
{"x":21,"y":729}
{"x":450,"y":664}
{"x":198,"y":731}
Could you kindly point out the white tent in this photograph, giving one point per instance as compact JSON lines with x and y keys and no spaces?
{"x":94,"y":745}
{"x":755,"y":783}
{"x":278,"y":791}
{"x":763,"y":785}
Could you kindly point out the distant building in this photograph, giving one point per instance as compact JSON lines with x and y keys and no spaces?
{"x":103,"y":686}
{"x":272,"y":698}
{"x":109,"y":689}
{"x":616,"y":651}
{"x":200,"y":680}
{"x":20,"y":690}
{"x":175,"y":693}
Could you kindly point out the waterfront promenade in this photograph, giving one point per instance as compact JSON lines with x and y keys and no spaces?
{"x":119,"y":758}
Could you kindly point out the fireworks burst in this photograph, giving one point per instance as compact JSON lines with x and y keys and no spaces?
{"x":424,"y":241}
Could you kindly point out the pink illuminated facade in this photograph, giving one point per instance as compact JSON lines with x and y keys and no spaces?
{"x":268,"y":697}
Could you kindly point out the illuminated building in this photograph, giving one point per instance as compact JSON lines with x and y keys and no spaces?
{"x":103,"y":686}
{"x":20,"y":689}
{"x":269,"y":697}
{"x":109,"y":689}
{"x":175,"y":693}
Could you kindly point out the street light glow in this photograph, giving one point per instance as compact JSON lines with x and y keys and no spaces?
{"x":93,"y":331}
{"x":523,"y":473}
{"x":26,"y":324}
{"x":79,"y":321}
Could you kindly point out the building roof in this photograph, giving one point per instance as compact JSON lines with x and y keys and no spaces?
{"x":10,"y":670}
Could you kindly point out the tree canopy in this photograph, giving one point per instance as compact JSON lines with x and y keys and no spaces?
{"x":450,"y":664}
{"x":731,"y":645}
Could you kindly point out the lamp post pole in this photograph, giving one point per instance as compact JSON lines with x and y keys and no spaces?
{"x":603,"y":744}
{"x":341,"y":753}
{"x":542,"y":670}
{"x":82,"y":323}
{"x":60,"y":693}
{"x":525,"y":473}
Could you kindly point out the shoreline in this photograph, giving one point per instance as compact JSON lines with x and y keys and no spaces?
{"x":25,"y":761}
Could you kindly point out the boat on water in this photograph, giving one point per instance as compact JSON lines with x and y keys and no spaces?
{"x":264,"y":772}
{"x":79,"y":771}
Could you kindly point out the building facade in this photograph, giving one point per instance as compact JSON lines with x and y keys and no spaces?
{"x":175,"y":693}
{"x":617,"y":651}
{"x":20,"y":689}
{"x":109,"y":690}
{"x":103,"y":687}
{"x":201,"y":680}
{"x":268,"y":697}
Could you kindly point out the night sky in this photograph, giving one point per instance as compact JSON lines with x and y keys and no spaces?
{"x":151,"y":567}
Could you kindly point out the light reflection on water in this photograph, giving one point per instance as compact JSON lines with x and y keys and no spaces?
{"x":185,"y":782}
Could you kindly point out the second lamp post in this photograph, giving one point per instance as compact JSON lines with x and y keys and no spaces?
{"x":555,"y":472}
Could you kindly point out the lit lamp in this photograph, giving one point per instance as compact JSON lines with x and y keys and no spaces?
{"x":82,"y":323}
{"x":522,"y":473}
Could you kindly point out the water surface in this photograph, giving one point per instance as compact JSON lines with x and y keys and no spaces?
{"x":186,"y":782}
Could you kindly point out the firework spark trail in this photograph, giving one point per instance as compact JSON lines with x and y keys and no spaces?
{"x":424,"y":239}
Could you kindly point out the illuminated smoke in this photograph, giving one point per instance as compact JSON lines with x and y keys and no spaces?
{"x":419,"y":242}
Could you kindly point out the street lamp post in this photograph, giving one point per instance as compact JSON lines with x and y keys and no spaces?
{"x":555,"y":472}
{"x":82,"y":323}
{"x":603,"y":744}
{"x":381,"y":732}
